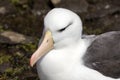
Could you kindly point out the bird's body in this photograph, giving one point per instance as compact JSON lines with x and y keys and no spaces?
{"x":66,"y":61}
{"x":68,"y":64}
{"x":56,"y":65}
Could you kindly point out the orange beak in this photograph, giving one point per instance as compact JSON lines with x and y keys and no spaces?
{"x":45,"y":47}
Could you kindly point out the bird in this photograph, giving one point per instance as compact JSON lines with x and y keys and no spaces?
{"x":64,"y":53}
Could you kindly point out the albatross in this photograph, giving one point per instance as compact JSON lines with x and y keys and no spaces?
{"x":65,"y":54}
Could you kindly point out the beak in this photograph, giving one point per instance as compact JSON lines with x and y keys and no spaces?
{"x":45,"y":47}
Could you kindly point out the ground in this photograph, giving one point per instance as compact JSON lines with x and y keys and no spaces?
{"x":26,"y":18}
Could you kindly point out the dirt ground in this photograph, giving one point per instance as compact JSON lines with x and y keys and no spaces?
{"x":25,"y":17}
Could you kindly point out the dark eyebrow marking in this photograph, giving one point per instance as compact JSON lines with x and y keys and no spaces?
{"x":65,"y":27}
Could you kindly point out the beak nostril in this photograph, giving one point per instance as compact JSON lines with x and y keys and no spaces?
{"x":47,"y":41}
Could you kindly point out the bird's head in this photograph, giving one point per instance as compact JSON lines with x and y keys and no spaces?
{"x":62,"y":27}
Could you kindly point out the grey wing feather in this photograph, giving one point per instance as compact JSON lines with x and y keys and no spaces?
{"x":103,"y":54}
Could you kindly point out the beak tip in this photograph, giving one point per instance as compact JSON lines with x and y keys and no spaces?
{"x":31,"y":62}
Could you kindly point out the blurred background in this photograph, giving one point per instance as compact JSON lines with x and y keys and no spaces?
{"x":21,"y":25}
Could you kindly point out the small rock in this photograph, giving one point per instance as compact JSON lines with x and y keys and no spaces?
{"x":37,"y":13}
{"x":55,"y":2}
{"x":41,"y":5}
{"x":2,"y":10}
{"x":74,"y":5}
{"x":23,"y":1}
{"x":107,"y":6}
{"x":10,"y":37}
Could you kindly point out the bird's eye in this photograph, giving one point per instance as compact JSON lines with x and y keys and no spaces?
{"x":61,"y":30}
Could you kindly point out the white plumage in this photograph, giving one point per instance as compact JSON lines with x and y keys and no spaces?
{"x":65,"y":60}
